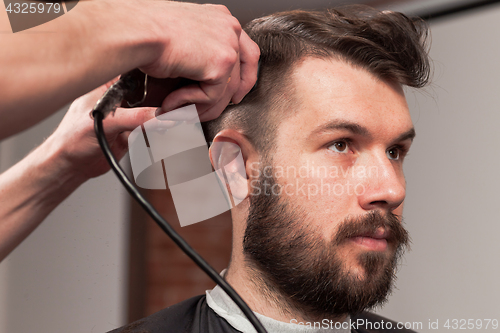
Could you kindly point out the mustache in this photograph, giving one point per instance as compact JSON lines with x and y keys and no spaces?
{"x":369,"y":223}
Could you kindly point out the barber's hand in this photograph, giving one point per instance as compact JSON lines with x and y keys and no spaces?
{"x":75,"y":140}
{"x":204,"y":43}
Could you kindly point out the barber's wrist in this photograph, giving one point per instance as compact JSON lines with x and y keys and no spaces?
{"x":113,"y":34}
{"x":56,"y":168}
{"x":146,"y":38}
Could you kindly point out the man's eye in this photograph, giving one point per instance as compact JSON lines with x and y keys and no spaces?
{"x":341,"y":146}
{"x":393,"y":153}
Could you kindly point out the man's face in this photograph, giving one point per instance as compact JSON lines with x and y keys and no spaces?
{"x":328,"y":216}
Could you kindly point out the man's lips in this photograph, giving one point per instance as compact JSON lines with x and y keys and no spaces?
{"x":376,"y":241}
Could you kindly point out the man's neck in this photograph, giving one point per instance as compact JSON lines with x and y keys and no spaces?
{"x":251,"y":286}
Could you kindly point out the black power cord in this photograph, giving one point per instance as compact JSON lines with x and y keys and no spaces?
{"x":431,"y":15}
{"x":106,"y":104}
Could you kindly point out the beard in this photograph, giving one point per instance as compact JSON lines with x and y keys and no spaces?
{"x":299,"y":270}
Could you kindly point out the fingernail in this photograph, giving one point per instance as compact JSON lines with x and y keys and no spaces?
{"x":158,"y":112}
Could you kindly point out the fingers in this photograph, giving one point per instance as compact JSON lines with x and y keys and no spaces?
{"x":249,"y":59}
{"x":191,"y":94}
{"x":209,"y":102}
{"x":212,"y":97}
{"x":206,"y":44}
{"x":213,"y":110}
{"x":241,"y":80}
{"x":208,"y":97}
{"x":125,"y":120}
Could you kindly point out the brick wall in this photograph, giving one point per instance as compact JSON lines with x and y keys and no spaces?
{"x":169,"y":275}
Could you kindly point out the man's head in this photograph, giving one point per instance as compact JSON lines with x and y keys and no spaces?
{"x":389,"y":45}
{"x":323,"y":138}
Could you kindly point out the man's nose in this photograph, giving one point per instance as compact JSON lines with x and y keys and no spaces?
{"x":384,"y":185}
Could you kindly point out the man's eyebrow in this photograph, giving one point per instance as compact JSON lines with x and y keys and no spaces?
{"x":341,"y":125}
{"x":357,"y":129}
{"x":408,"y":135}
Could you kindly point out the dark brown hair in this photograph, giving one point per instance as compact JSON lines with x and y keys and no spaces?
{"x":388,"y":44}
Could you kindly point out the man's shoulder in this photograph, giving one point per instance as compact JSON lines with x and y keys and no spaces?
{"x":190,"y":316}
{"x":177,"y":316}
{"x":368,"y":322}
{"x":195,"y":316}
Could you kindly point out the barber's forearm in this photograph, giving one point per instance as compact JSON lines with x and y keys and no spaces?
{"x":29,"y":191}
{"x":52,"y":64}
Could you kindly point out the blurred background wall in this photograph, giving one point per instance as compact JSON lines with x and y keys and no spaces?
{"x":451,"y":207}
{"x":97,"y":262}
{"x":69,"y":275}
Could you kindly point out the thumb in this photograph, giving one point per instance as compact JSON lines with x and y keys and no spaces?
{"x":124,"y":120}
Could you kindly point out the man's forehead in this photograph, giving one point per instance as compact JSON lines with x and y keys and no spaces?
{"x":328,"y":89}
{"x":336,"y":78}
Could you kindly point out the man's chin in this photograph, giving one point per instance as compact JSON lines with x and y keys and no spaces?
{"x":375,"y":264}
{"x":321,"y":278}
{"x":364,"y":262}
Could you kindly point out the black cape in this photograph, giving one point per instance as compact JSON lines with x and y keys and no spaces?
{"x":195,"y":316}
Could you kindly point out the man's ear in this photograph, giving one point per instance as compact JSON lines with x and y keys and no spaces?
{"x":232,"y":157}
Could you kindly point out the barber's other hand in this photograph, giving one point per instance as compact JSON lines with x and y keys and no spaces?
{"x":204,"y":43}
{"x":75,"y":142}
